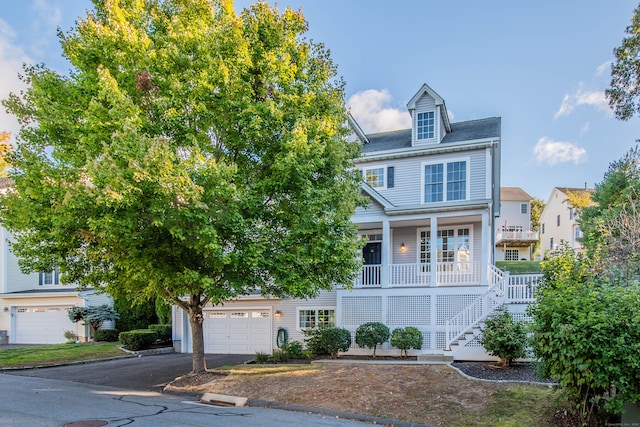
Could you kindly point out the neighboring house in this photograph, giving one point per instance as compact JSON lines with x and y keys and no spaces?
{"x":33,"y":307}
{"x":559,"y":220}
{"x":434,"y":193}
{"x":514,"y":238}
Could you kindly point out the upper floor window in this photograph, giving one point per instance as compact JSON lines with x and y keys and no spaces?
{"x":524,"y":208}
{"x":49,"y":278}
{"x":440,"y":186}
{"x":426,"y":125}
{"x":571,"y":213}
{"x":375,"y":177}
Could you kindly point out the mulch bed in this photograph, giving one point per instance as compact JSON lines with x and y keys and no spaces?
{"x":492,"y":371}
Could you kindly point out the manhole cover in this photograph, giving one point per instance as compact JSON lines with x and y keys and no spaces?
{"x":87,"y":423}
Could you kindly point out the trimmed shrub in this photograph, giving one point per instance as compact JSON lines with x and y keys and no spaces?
{"x":371,"y":334}
{"x":328,"y":340}
{"x":108,"y":335}
{"x":505,"y":337}
{"x":138,"y":339}
{"x":406,"y":339}
{"x":164,"y":331}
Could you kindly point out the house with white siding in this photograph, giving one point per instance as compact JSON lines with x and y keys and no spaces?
{"x":33,"y":307}
{"x":434,"y":196}
{"x":559,"y":220}
{"x":514,"y":238}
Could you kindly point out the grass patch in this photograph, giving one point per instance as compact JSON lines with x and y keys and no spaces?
{"x":516,"y":405}
{"x":57,"y":353}
{"x":520,"y":267}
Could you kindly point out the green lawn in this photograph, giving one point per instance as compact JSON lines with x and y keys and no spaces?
{"x":57,"y":353}
{"x":519,"y":267}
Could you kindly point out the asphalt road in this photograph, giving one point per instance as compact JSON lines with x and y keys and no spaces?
{"x":146,"y":373}
{"x":40,"y":402}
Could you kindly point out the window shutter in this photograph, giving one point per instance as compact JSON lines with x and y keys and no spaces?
{"x":390,"y":177}
{"x":39,"y":279}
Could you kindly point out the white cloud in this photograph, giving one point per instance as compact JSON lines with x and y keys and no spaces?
{"x":604,"y":67}
{"x":596,"y":99}
{"x":585,"y":128}
{"x":371,"y":109}
{"x":11,"y":59}
{"x":554,"y":152}
{"x":44,"y":24}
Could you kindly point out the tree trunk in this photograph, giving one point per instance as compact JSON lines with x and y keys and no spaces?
{"x":193,"y":308}
{"x":197,"y":336}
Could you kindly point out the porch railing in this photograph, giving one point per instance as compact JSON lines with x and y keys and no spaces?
{"x":522,"y":288}
{"x":516,"y":235}
{"x":447,"y":274}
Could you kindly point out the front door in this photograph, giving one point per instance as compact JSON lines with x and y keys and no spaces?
{"x":372,"y":255}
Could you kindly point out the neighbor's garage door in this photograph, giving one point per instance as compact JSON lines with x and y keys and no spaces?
{"x":42,"y":325}
{"x":237,"y":331}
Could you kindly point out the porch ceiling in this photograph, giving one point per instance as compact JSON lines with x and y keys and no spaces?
{"x":422,"y":222}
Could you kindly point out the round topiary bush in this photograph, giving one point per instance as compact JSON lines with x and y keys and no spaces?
{"x":371,"y":334}
{"x":406,"y":339}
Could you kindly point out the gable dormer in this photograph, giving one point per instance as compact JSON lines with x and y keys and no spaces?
{"x":429,"y":119}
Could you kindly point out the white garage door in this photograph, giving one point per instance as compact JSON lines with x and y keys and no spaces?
{"x":237,"y":331}
{"x":42,"y":325}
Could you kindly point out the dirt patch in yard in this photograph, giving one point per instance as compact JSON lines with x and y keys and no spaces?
{"x":426,"y":394}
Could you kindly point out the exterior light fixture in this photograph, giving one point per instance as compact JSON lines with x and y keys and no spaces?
{"x":278,"y":313}
{"x":403,"y":247}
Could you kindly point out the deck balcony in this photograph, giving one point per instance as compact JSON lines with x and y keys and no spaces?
{"x":514,"y":238}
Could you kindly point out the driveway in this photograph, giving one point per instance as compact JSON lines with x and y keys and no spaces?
{"x":146,"y":373}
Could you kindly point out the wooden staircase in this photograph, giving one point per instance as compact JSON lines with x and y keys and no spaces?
{"x":465,"y":326}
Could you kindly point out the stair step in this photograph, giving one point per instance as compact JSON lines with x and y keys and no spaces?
{"x":435,"y":358}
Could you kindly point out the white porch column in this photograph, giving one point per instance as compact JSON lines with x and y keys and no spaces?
{"x":386,"y":254}
{"x":486,"y":247}
{"x":434,"y":251}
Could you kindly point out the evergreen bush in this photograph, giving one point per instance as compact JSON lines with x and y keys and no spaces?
{"x":138,"y":339}
{"x":371,"y":334}
{"x":406,"y":339}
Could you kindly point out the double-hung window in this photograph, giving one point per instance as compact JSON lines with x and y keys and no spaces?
{"x":49,"y":278}
{"x":445,"y":182}
{"x":375,"y":177}
{"x":316,"y":318}
{"x":426,"y":125}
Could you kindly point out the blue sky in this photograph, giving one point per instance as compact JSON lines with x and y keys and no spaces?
{"x":541,"y":66}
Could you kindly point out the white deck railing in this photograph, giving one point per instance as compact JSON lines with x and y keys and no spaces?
{"x":447,"y":274}
{"x":516,"y":235}
{"x":522,"y":288}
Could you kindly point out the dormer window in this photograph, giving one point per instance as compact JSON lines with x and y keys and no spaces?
{"x":426,"y":125}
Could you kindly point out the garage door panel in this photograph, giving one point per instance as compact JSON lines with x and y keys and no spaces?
{"x":42,"y":325}
{"x":238,"y":331}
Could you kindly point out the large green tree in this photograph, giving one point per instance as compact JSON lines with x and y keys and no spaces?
{"x":625,"y":72}
{"x":192,"y":154}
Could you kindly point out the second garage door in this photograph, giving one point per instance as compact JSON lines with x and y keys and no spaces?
{"x":237,"y":331}
{"x":42,"y":325}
